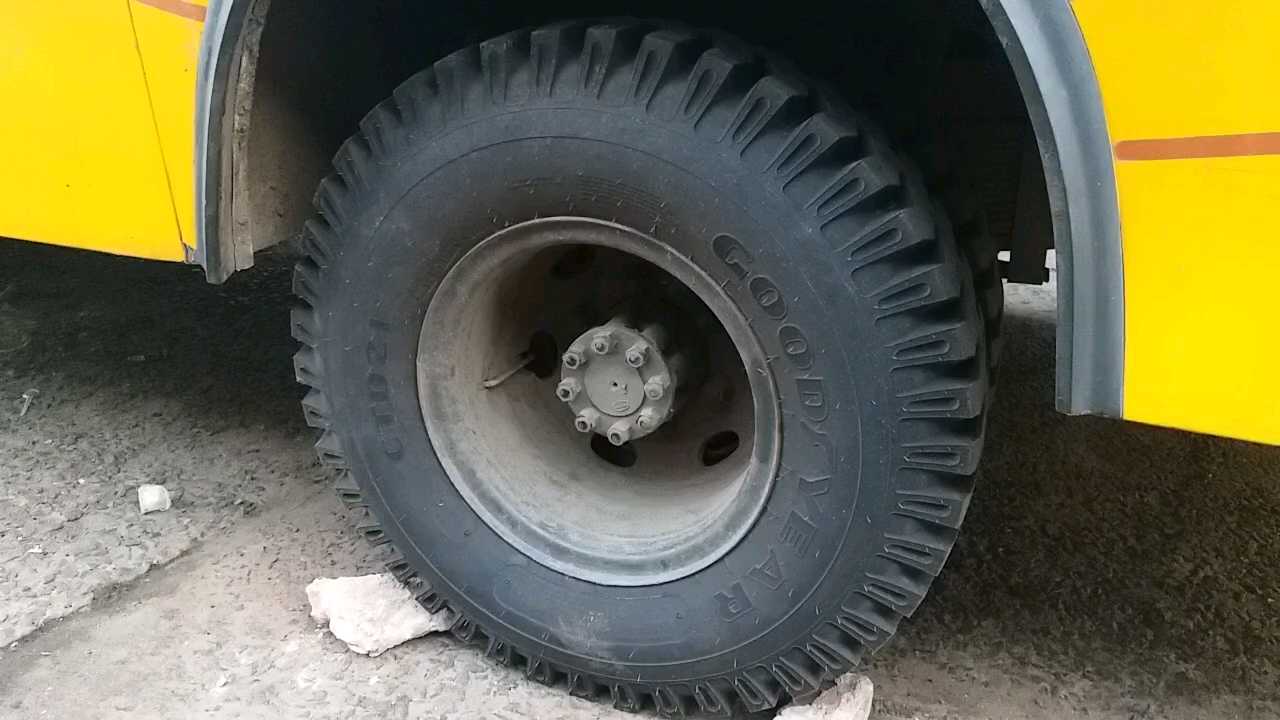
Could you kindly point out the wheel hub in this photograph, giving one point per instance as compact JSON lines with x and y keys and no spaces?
{"x":618,"y":381}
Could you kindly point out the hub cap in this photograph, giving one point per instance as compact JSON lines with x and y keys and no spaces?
{"x":617,"y":381}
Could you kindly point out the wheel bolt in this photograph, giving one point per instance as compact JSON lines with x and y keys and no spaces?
{"x":568,"y":389}
{"x":637,"y":355}
{"x":648,"y":419}
{"x":656,"y":387}
{"x":574,"y":358}
{"x":620,"y":432}
{"x":602,"y":343}
{"x":586,"y":421}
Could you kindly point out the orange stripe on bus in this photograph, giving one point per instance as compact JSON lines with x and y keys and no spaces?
{"x":1212,"y":146}
{"x":191,"y":11}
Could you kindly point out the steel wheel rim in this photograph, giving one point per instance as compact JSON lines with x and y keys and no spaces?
{"x":538,"y":490}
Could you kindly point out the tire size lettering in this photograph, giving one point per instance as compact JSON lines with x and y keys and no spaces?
{"x":796,"y":346}
{"x":733,"y":602}
{"x":379,"y":391}
{"x":732,"y":254}
{"x":821,"y":465}
{"x":798,"y":531}
{"x":813,"y":398}
{"x":769,"y":572}
{"x":795,"y":343}
{"x":768,"y":297}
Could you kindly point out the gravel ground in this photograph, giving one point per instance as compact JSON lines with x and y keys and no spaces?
{"x":1106,"y":570}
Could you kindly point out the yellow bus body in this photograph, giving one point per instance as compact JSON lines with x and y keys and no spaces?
{"x":1199,"y":223}
{"x":97,"y":133}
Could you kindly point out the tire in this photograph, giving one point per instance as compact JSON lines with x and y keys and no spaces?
{"x":981,"y":250}
{"x":840,"y":261}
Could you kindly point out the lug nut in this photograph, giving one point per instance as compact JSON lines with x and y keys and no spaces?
{"x":602,"y":343}
{"x":620,"y":432}
{"x":586,"y":421}
{"x":568,"y":389}
{"x":657,"y":387}
{"x":648,"y":419}
{"x":637,"y":354}
{"x":574,"y":358}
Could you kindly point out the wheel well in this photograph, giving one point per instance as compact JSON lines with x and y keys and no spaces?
{"x":932,"y":73}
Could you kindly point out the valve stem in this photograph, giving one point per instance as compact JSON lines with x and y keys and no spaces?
{"x":523,"y":359}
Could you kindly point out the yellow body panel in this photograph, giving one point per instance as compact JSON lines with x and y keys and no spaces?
{"x":1200,"y":245}
{"x":1201,"y":255}
{"x":1182,"y":68}
{"x":170,"y":48}
{"x":80,"y":163}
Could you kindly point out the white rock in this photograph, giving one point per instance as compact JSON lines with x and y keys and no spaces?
{"x":371,"y":613}
{"x":850,"y":699}
{"x":153,"y":498}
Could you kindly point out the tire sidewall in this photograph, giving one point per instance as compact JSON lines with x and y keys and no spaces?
{"x":829,"y":363}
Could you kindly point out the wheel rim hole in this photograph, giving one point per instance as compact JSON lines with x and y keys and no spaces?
{"x":575,"y":261}
{"x":719,"y":447}
{"x":545,"y":354}
{"x":623,"y":455}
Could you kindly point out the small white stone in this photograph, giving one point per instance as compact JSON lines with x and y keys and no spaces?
{"x":850,"y":699}
{"x":153,"y":498}
{"x":371,"y":613}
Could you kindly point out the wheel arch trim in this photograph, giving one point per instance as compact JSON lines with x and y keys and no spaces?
{"x":220,"y":57}
{"x":1047,"y":50}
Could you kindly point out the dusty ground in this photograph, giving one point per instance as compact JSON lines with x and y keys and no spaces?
{"x":1106,"y":570}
